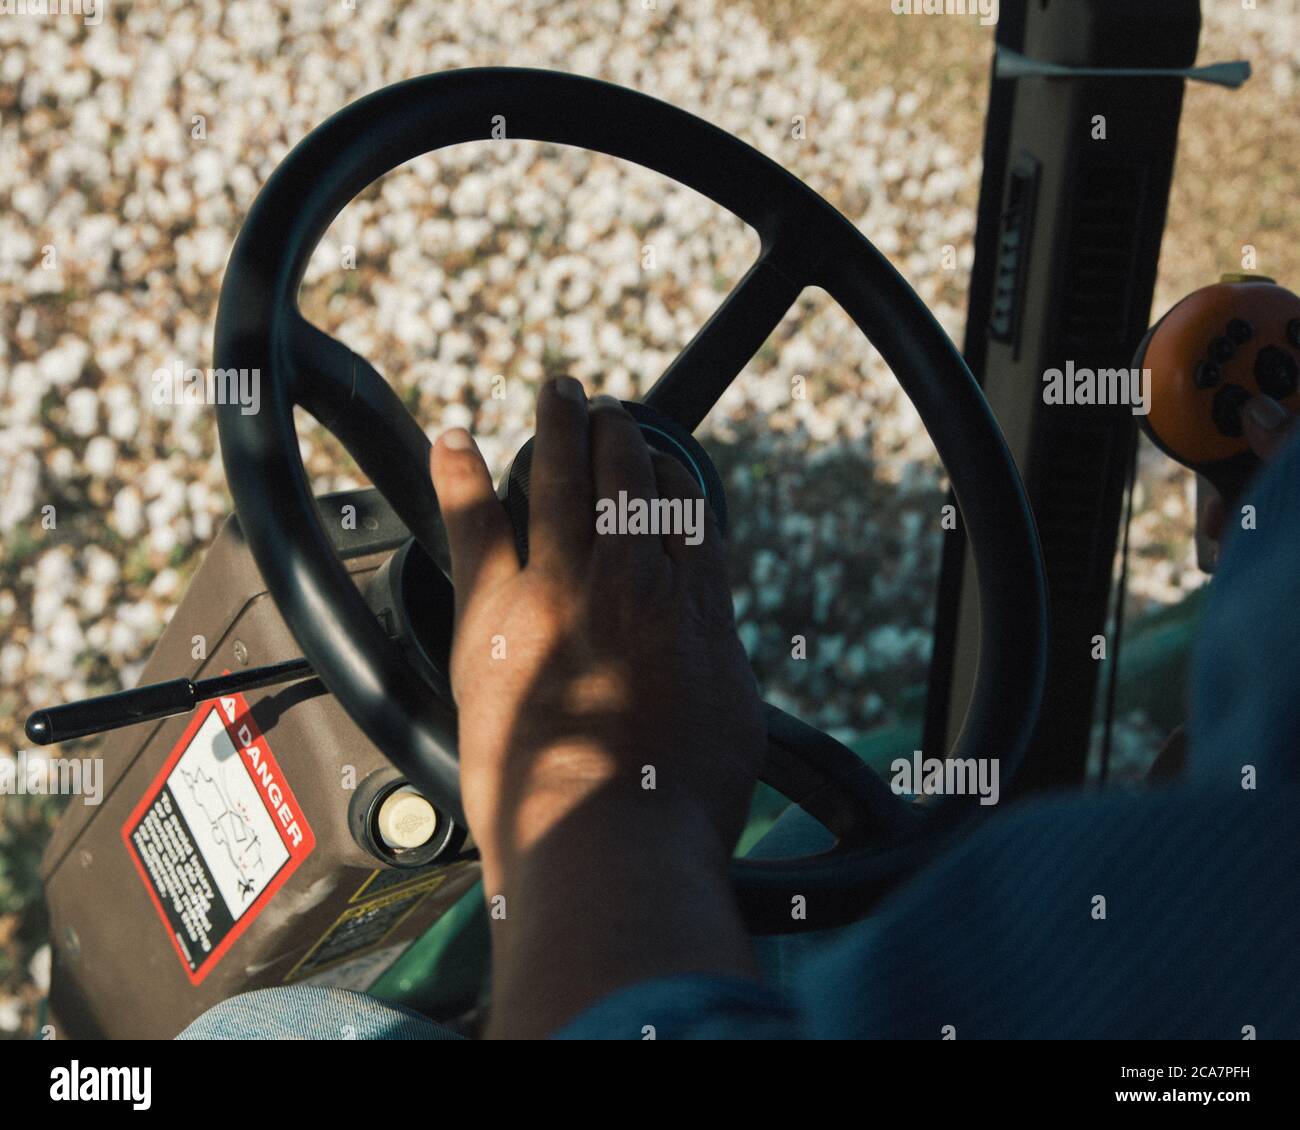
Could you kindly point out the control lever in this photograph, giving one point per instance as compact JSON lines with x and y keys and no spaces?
{"x":144,"y":704}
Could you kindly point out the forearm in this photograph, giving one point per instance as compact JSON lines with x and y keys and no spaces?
{"x":621,"y":889}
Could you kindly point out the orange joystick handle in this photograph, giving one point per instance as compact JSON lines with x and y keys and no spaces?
{"x":1212,"y":352}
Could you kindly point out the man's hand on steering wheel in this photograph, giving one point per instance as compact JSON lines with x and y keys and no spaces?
{"x":610,"y":728}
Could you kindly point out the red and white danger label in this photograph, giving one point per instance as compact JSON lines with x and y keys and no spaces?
{"x":217,"y":834}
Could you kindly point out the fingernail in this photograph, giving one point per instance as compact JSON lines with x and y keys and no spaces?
{"x":570,"y":389}
{"x":604,"y":400}
{"x":458,"y":439}
{"x":1267,"y":413}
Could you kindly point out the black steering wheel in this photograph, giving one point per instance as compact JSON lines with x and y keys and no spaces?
{"x":805,"y":242}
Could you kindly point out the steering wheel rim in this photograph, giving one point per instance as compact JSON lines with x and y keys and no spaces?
{"x":804,"y":241}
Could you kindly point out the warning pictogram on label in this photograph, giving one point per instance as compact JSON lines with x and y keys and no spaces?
{"x":364,"y":926}
{"x":217,"y":834}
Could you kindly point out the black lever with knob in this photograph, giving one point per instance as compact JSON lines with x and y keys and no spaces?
{"x":145,"y":704}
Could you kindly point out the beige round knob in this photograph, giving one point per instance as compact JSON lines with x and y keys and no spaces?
{"x":406,"y":819}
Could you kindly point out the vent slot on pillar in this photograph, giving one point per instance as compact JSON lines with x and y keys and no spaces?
{"x":1104,"y":259}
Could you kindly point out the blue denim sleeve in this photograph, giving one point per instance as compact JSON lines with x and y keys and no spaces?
{"x":689,"y":1007}
{"x":1243,"y":693}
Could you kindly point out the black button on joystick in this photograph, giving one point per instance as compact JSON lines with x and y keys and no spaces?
{"x":1277,"y":372}
{"x":1240,"y":331}
{"x":1207,"y":375}
{"x":1222,"y":349}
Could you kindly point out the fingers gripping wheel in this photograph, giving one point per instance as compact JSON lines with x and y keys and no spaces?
{"x":1212,"y":352}
{"x":804,"y":242}
{"x":661,"y":433}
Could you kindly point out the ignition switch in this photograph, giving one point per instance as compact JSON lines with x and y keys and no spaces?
{"x":397,"y":823}
{"x":406,"y":820}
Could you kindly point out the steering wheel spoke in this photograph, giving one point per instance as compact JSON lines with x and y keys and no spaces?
{"x":724,"y":345}
{"x":349,"y":397}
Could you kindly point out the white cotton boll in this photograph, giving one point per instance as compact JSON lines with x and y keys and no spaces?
{"x":516,"y":247}
{"x":800,"y":356}
{"x":770,"y":393}
{"x":538,"y":307}
{"x":659,"y":323}
{"x":11,"y":1014}
{"x":83,"y":411}
{"x":440,"y":316}
{"x":455,"y":415}
{"x":171,"y":498}
{"x":17,"y":247}
{"x":13,"y":658}
{"x":100,"y":566}
{"x":209,"y":172}
{"x":411,"y":327}
{"x":577,"y":294}
{"x":203,"y":525}
{"x":62,"y":464}
{"x":12,"y":66}
{"x":94,"y":236}
{"x":609,"y":339}
{"x":45,"y":606}
{"x":198,"y":497}
{"x":66,"y":642}
{"x":142,"y":617}
{"x":100,"y":457}
{"x":167,"y":584}
{"x":30,"y":199}
{"x":455,"y":346}
{"x":128,"y":513}
{"x":155,"y":479}
{"x":580,"y":337}
{"x":210,"y":248}
{"x":618,"y":383}
{"x":63,"y":364}
{"x":53,"y":582}
{"x":44,"y":282}
{"x":822,"y":427}
{"x":163,"y":539}
{"x":121,"y":639}
{"x":470,"y":197}
{"x":94,"y":599}
{"x":468,"y":233}
{"x":21,"y":473}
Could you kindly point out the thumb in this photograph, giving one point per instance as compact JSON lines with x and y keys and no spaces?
{"x":478,"y":531}
{"x":1268,"y":426}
